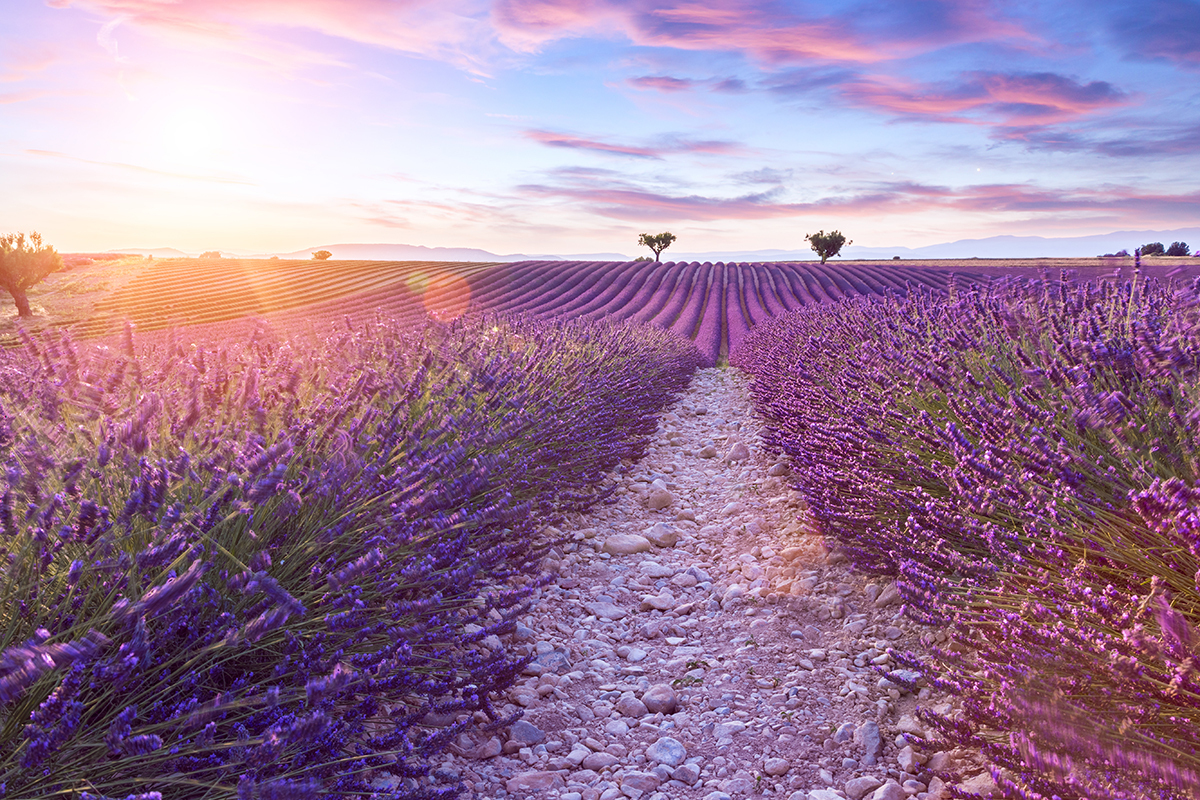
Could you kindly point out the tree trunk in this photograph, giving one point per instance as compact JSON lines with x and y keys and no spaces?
{"x":22,"y":301}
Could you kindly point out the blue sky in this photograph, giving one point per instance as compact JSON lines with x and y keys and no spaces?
{"x":527,"y":126}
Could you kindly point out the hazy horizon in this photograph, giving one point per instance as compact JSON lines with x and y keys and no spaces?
{"x":523,"y":126}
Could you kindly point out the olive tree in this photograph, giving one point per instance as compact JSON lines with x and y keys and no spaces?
{"x":24,"y":262}
{"x":827,"y":244}
{"x":657,"y":243}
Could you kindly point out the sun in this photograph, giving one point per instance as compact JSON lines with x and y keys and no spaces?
{"x":192,"y":132}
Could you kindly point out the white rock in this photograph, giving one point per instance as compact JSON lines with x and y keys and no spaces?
{"x":660,"y":499}
{"x":739,"y":452}
{"x":776,"y":766}
{"x":622,"y":544}
{"x":662,"y":534}
{"x":606,"y":610}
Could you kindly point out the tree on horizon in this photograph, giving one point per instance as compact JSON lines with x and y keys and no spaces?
{"x":656,"y":242}
{"x":827,"y":244}
{"x":25,"y":262}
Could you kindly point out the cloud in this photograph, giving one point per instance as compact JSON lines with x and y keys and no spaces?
{"x":770,"y":33}
{"x":233,"y":179}
{"x":731,"y":86}
{"x":995,"y":98}
{"x":805,"y":80}
{"x":7,"y":98}
{"x":670,"y":84}
{"x":768,"y":175}
{"x":1159,"y":30}
{"x":23,"y":60}
{"x":668,"y":145}
{"x":617,"y":198}
{"x":664,"y":83}
{"x":1181,"y":142}
{"x":456,"y":31}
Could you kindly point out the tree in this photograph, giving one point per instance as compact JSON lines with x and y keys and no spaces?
{"x":827,"y":244}
{"x":23,"y":263}
{"x":211,"y":254}
{"x":321,"y":255}
{"x":656,"y":243}
{"x":1179,"y":249}
{"x":1152,"y":249}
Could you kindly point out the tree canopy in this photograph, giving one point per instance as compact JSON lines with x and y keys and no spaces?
{"x":656,"y":242}
{"x":321,"y":255}
{"x":827,"y":244}
{"x":24,"y":262}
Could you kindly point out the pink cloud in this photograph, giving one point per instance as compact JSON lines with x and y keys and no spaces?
{"x":663,"y":83}
{"x":7,"y":98}
{"x":668,"y":146}
{"x":1008,"y":99}
{"x":453,"y":30}
{"x":23,"y":61}
{"x":616,"y":199}
{"x":765,"y":31}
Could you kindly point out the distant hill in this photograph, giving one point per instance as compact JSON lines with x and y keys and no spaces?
{"x":411,"y":252}
{"x":157,"y":252}
{"x":990,"y":247}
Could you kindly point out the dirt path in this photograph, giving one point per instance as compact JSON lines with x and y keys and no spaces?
{"x":699,"y":643}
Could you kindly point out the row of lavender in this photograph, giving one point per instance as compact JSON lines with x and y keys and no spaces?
{"x":255,"y":570}
{"x":1024,"y":458}
{"x":715,"y":305}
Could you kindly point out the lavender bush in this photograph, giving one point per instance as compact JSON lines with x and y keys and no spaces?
{"x":1022,"y":456}
{"x":255,"y":569}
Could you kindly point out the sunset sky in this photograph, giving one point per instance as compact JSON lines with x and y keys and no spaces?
{"x":538,"y":127}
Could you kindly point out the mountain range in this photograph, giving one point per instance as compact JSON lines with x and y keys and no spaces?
{"x":991,"y":247}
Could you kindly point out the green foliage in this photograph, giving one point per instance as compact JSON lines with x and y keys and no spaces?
{"x":1179,"y":249}
{"x":643,"y":258}
{"x":827,"y":244}
{"x":321,"y":255}
{"x":210,"y":254}
{"x":24,"y":262}
{"x":657,"y":243}
{"x":1152,"y":249}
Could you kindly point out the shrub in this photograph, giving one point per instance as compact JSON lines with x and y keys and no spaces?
{"x":1152,"y":249}
{"x":321,"y":255}
{"x":210,"y":254}
{"x":1178,"y":249}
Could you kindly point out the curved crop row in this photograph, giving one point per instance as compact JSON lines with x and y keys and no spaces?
{"x":715,"y":305}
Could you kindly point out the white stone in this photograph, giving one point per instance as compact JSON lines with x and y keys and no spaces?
{"x":622,"y":544}
{"x":662,"y":534}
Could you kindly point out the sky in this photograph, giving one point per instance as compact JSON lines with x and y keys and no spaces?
{"x":533,"y":126}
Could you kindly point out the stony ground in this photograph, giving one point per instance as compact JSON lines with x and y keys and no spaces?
{"x":700,"y":642}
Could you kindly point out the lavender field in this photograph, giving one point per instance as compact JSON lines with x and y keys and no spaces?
{"x":1023,"y":458}
{"x":253,"y":542}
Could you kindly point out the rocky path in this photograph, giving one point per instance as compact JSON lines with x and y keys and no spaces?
{"x":700,"y":643}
